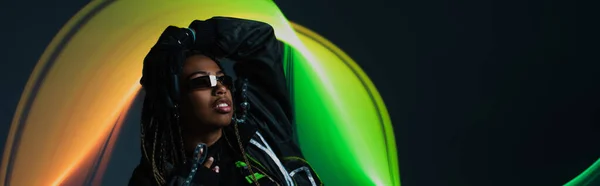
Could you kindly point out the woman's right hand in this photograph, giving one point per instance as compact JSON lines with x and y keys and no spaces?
{"x":201,"y":173}
{"x":209,"y":161}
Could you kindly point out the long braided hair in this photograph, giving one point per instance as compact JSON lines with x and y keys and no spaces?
{"x":161,"y":137}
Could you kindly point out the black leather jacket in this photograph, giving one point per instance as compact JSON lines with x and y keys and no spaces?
{"x":267,"y":134}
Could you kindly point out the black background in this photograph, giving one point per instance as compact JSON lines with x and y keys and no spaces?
{"x":482,"y":92}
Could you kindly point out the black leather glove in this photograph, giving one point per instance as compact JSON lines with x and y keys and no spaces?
{"x":176,"y":37}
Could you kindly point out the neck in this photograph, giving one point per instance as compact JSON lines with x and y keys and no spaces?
{"x":208,"y":137}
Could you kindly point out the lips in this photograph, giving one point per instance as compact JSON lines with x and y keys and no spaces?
{"x":222,"y":105}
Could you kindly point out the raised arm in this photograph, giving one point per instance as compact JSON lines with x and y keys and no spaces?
{"x":258,"y":56}
{"x":253,"y":45}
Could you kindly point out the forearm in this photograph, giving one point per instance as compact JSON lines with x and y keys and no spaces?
{"x":235,"y":38}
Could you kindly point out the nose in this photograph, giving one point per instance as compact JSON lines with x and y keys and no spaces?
{"x":220,"y":89}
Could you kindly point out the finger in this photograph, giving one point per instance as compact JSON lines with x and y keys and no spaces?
{"x":209,"y":162}
{"x":216,"y":169}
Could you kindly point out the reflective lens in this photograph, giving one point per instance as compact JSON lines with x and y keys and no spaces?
{"x":210,"y":81}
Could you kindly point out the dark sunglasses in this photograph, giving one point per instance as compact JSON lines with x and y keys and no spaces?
{"x":209,"y":81}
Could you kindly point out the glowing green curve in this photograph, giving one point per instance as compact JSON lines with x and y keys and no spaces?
{"x":344,"y":117}
{"x":343,"y":126}
{"x":341,"y":112}
{"x":589,"y":177}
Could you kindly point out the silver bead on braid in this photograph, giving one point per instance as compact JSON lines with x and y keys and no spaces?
{"x":244,"y":105}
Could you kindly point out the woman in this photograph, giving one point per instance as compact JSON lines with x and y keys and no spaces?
{"x":197,"y":125}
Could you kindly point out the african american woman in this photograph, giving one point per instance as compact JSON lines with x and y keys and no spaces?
{"x":199,"y":127}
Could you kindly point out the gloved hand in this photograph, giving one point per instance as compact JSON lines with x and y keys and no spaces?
{"x":176,"y":37}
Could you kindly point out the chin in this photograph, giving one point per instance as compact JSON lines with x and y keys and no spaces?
{"x":222,"y":120}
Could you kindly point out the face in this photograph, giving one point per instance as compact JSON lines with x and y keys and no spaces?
{"x":203,"y":106}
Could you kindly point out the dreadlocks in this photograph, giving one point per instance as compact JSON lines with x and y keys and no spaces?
{"x":161,"y":137}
